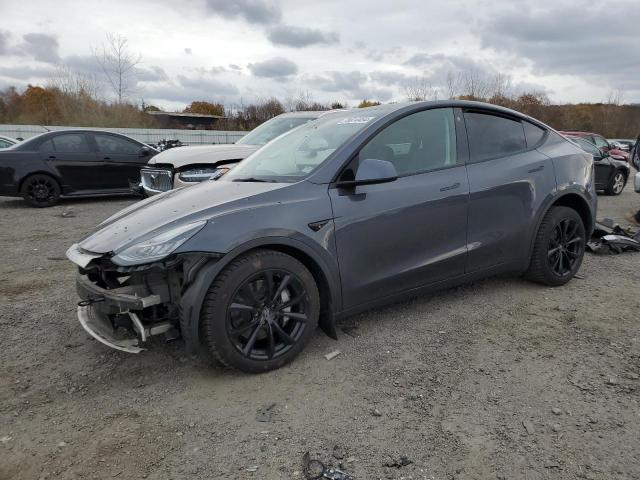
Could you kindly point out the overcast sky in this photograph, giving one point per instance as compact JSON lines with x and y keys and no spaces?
{"x":337,"y":50}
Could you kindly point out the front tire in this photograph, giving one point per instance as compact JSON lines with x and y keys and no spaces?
{"x":260,"y":312}
{"x":40,"y":190}
{"x":617,"y":183}
{"x":559,"y":247}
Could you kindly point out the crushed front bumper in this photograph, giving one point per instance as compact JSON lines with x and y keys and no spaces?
{"x":99,"y":304}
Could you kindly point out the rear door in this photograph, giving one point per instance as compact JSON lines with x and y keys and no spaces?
{"x":508,"y":181}
{"x":395,"y":236}
{"x":71,"y":155}
{"x":122,"y":158}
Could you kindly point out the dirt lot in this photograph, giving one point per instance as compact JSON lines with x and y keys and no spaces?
{"x":500,"y":379}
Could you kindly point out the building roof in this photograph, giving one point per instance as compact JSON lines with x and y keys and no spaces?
{"x":182,"y":114}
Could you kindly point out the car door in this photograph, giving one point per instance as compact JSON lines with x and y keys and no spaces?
{"x":508,"y":181}
{"x":410,"y":232}
{"x":71,"y":155}
{"x":123,"y":159}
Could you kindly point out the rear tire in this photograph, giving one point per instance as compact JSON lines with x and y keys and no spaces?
{"x":559,"y":247}
{"x":260,"y":312}
{"x":40,"y":190}
{"x":617,"y":183}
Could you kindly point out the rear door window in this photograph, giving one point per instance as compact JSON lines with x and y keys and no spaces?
{"x":71,"y":143}
{"x":116,"y":145}
{"x":47,"y":146}
{"x":492,"y":136}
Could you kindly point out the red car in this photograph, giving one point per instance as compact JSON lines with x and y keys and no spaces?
{"x":602,"y":143}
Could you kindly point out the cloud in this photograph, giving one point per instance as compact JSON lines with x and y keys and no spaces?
{"x":151,"y":74}
{"x":261,"y":12}
{"x":40,"y":46}
{"x":300,"y":37}
{"x":25,"y":72}
{"x":4,"y":41}
{"x":354,"y":84}
{"x":571,"y":40}
{"x":276,"y":67}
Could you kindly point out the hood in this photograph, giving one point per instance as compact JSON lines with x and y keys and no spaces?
{"x":150,"y":217}
{"x":202,"y":154}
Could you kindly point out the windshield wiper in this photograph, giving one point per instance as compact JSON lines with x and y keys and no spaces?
{"x":253,"y":179}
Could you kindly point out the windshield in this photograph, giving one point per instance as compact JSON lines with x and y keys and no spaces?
{"x":296,"y":154}
{"x":272,"y":129}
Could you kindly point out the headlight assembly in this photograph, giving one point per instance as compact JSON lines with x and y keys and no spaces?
{"x":202,"y":174}
{"x":158,"y":247}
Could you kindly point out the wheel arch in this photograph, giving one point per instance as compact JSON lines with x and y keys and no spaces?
{"x":38,"y":172}
{"x":572,"y":199}
{"x":328,"y":285}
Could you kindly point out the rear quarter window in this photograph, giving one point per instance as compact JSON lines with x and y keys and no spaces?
{"x":532,"y":133}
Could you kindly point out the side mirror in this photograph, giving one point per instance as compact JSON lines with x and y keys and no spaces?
{"x":144,"y":151}
{"x":372,"y":171}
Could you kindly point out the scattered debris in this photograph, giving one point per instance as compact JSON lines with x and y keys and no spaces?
{"x":265,"y":414}
{"x":68,"y":214}
{"x":556,"y":427}
{"x":528,"y":426}
{"x":332,"y":355}
{"x":578,"y":276}
{"x":376,"y":413}
{"x":556,"y":411}
{"x":612,"y":381}
{"x":399,"y":462}
{"x":315,"y":470}
{"x":252,"y":469}
{"x":609,"y":237}
{"x":62,"y":444}
{"x":5,"y":439}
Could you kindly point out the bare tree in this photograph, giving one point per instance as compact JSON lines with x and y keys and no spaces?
{"x":118,"y":64}
{"x":451,"y":84}
{"x":420,"y":89}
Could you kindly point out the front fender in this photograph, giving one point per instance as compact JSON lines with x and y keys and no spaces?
{"x":193,"y":297}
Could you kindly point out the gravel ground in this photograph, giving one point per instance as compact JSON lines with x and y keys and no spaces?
{"x":498,"y":379}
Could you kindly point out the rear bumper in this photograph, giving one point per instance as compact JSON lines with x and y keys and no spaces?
{"x":636,"y":182}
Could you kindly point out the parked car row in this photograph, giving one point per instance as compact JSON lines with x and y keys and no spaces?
{"x":87,"y":163}
{"x":355,"y":209}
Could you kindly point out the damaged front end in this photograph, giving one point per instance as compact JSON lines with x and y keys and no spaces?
{"x":124,"y":306}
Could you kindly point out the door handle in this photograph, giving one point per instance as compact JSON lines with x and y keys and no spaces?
{"x":450,"y":187}
{"x":52,"y":157}
{"x":107,"y":158}
{"x":537,"y":169}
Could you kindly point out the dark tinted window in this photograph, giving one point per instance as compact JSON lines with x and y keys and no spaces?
{"x":71,"y":143}
{"x":46,"y":146}
{"x":116,"y":145}
{"x":4,"y":144}
{"x":417,"y":143}
{"x":492,"y":136}
{"x":533,"y":133}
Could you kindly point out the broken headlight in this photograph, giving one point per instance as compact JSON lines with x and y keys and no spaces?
{"x":158,"y":247}
{"x":202,"y":174}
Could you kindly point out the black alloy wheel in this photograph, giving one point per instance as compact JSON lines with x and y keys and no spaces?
{"x":40,"y":190}
{"x":558,"y":247}
{"x":566,"y":247}
{"x":267,"y":314}
{"x":260,"y":311}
